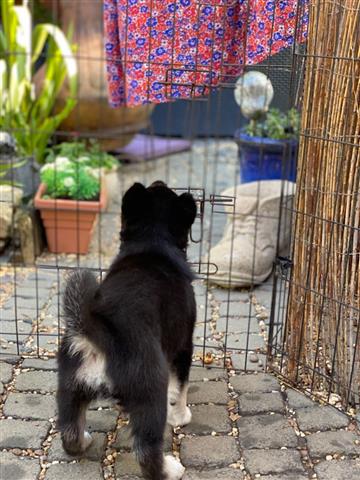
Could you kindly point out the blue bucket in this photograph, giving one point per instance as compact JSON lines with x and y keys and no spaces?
{"x":266,"y":158}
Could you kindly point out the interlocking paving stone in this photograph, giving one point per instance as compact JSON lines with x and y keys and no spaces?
{"x":214,"y":474}
{"x":23,"y":314}
{"x":48,"y":342}
{"x":101,"y":421}
{"x":16,"y":332}
{"x":30,"y":292}
{"x":212,"y":346}
{"x":266,"y":431}
{"x":298,"y":400}
{"x":273,"y":461}
{"x":126,"y":466}
{"x":244,"y":341}
{"x":22,"y":434}
{"x":237,"y":324}
{"x":200,"y":374}
{"x":33,"y":303}
{"x":255,"y":403}
{"x":83,"y":470}
{"x":18,"y":468}
{"x":5,"y":372}
{"x":9,"y":330}
{"x":199,"y":289}
{"x":40,"y":364}
{"x":294,"y":476}
{"x":320,"y":418}
{"x":45,"y":278}
{"x":328,"y":443}
{"x":9,"y":358}
{"x":203,"y":314}
{"x":38,"y":380}
{"x":199,"y":331}
{"x":338,"y":470}
{"x":261,"y":382}
{"x":263,"y":296}
{"x":208,"y":392}
{"x":237,"y":309}
{"x":208,"y":452}
{"x":224,"y":295}
{"x":11,"y":349}
{"x":124,"y":440}
{"x":241,"y":361}
{"x":30,"y":405}
{"x":94,"y":452}
{"x":207,"y":419}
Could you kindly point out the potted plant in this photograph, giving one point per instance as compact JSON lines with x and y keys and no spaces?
{"x":91,"y":154}
{"x":27,"y":111}
{"x":268,"y":144}
{"x":69,"y":198}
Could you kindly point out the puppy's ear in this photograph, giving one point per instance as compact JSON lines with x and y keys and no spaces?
{"x":186,"y":209}
{"x":135,"y":202}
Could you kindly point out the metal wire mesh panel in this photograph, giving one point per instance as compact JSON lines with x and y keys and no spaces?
{"x":315,"y":331}
{"x":233,"y":323}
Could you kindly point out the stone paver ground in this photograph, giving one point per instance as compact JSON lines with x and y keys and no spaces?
{"x":245,"y":426}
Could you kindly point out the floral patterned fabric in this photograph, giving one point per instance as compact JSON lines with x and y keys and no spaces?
{"x":159,"y":50}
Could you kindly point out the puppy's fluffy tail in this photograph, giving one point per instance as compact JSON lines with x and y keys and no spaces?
{"x":80,"y":289}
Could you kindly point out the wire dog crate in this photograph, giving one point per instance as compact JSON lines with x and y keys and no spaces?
{"x":240,"y":329}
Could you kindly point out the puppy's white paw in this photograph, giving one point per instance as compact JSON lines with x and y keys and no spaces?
{"x":179,"y":418}
{"x":173,"y":469}
{"x":87,"y":440}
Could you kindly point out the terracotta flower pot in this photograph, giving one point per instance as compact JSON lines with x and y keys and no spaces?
{"x":69,"y":223}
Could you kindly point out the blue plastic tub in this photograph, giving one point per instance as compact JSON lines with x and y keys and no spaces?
{"x":266,"y":158}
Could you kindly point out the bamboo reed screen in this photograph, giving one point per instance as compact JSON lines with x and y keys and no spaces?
{"x":321,"y":344}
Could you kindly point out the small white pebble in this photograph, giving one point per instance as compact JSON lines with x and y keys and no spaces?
{"x":329,"y":457}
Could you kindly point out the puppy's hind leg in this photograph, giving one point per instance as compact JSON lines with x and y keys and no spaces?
{"x":72,"y":407}
{"x":148,"y":424}
{"x":179,"y":414}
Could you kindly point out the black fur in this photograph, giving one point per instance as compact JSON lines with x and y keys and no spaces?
{"x":141,"y":317}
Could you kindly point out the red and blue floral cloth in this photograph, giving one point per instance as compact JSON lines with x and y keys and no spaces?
{"x":161,"y":50}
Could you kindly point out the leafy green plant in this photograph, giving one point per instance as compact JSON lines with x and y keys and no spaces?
{"x":275,"y":124}
{"x":91,"y":156}
{"x":27,"y":113}
{"x":67,"y":179}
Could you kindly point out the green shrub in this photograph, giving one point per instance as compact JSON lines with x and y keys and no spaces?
{"x":70,"y":180}
{"x":91,"y":156}
{"x":276,"y":125}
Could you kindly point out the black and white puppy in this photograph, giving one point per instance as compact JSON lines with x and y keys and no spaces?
{"x":130,"y":337}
